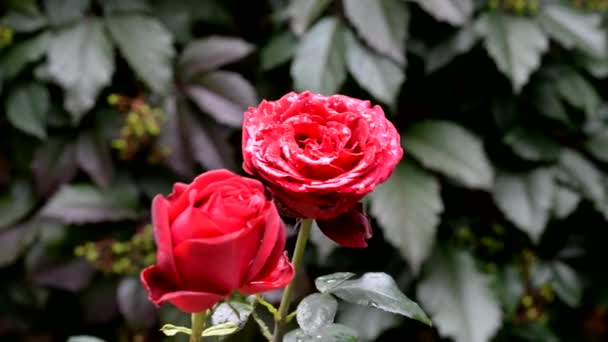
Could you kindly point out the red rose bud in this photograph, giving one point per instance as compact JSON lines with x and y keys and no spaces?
{"x":319,"y":155}
{"x":214,"y":236}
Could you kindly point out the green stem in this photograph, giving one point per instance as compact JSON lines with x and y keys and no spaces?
{"x":198,"y":325}
{"x":296,"y":261}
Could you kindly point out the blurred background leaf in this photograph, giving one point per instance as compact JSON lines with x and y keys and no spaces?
{"x":493,"y":221}
{"x":453,"y":284}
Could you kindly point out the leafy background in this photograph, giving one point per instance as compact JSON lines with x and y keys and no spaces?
{"x":495,"y":221}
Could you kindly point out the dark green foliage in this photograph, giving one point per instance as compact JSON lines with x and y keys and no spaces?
{"x":495,"y":222}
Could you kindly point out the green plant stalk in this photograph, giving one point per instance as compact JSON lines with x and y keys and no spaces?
{"x":296,"y":261}
{"x":198,"y":325}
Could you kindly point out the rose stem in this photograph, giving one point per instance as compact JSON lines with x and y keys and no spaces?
{"x":296,"y":261}
{"x":198,"y":324}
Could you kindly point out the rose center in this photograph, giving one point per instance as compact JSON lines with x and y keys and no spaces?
{"x":302,"y":140}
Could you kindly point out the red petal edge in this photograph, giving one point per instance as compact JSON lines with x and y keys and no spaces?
{"x":160,"y":290}
{"x":350,"y":229}
{"x":279,"y":278}
{"x":162,"y":234}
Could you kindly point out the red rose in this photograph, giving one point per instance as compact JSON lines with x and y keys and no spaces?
{"x":319,"y":155}
{"x":214,"y":236}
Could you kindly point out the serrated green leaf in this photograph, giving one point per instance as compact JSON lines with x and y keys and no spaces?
{"x":53,"y":164}
{"x":565,"y":201}
{"x":61,"y":12}
{"x":583,"y":175}
{"x":596,"y":66}
{"x":328,"y":333}
{"x":369,"y":324}
{"x":510,"y":288}
{"x":146,"y":45}
{"x":225,"y":95}
{"x":459,"y":298}
{"x":547,"y":101}
{"x":20,"y":5}
{"x":134,"y":305}
{"x":23,"y":53}
{"x":374,"y":73}
{"x":24,"y":20}
{"x":209,"y":150}
{"x":379,"y":290}
{"x":319,"y":64}
{"x":278,"y":50}
{"x":455,"y":12}
{"x":574,"y":28}
{"x":211,"y":53}
{"x":49,"y":232}
{"x":15,"y":240}
{"x":15,"y":203}
{"x":178,"y":17}
{"x":450,"y":149}
{"x":526,"y":199}
{"x":383,"y":24}
{"x":84,"y":203}
{"x":597,"y":145}
{"x":316,"y":311}
{"x":515,"y":43}
{"x":533,"y":331}
{"x":407,"y":207}
{"x":304,"y":13}
{"x":457,"y":44}
{"x":567,"y":284}
{"x":235,"y":311}
{"x":532,"y":145}
{"x":27,"y":107}
{"x":328,"y":282}
{"x":81,"y":61}
{"x":577,"y":91}
{"x":94,"y":157}
{"x":540,"y":274}
{"x":72,"y":275}
{"x":173,"y":138}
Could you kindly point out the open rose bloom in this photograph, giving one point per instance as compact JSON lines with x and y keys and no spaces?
{"x":319,"y":156}
{"x":214,"y":236}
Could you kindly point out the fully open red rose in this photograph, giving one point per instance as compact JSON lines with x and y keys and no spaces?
{"x":214,"y":236}
{"x":319,"y":155}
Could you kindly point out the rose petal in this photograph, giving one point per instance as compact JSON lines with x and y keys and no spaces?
{"x":178,"y":190}
{"x":162,"y":235}
{"x":201,"y":183}
{"x":273,"y":259}
{"x":194,"y":223}
{"x":360,"y":131}
{"x":280,"y":276}
{"x":219,"y":264}
{"x":350,"y":229}
{"x":347,"y":160}
{"x":312,"y":205}
{"x":274,"y":238}
{"x":215,"y":208}
{"x":161,"y":289}
{"x":192,"y":301}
